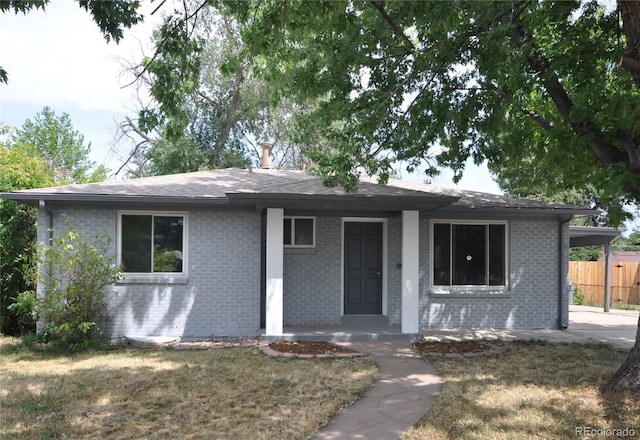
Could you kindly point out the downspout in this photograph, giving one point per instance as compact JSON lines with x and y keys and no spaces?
{"x":43,"y":206}
{"x":562,"y":276}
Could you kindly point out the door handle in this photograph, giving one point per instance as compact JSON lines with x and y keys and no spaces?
{"x":378,"y":273}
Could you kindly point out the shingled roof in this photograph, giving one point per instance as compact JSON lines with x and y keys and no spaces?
{"x":263,"y":188}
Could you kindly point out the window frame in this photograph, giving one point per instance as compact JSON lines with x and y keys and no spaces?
{"x":293,"y":245}
{"x":153,"y":214}
{"x":453,"y":288}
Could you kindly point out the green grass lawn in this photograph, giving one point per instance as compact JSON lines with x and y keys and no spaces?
{"x":535,"y":390}
{"x":226,"y":393}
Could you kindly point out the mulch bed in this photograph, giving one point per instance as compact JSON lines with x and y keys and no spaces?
{"x":308,"y":350}
{"x":456,"y":349}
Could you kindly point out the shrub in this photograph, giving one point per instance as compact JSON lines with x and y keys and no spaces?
{"x":578,"y":295}
{"x":73,"y":274}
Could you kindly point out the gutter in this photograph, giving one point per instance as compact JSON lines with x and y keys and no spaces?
{"x":563,"y":302}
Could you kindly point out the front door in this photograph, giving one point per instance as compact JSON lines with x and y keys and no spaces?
{"x":362,"y":268}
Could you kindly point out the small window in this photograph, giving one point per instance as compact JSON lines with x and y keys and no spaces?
{"x":152,"y":243}
{"x":299,"y":231}
{"x":469,"y":254}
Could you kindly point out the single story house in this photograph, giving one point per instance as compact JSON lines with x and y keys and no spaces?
{"x":238,"y":252}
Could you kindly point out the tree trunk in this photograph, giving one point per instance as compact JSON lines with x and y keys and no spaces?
{"x":630,"y":14}
{"x":628,"y":375}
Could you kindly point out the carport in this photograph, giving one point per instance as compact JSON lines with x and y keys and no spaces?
{"x":580,"y":236}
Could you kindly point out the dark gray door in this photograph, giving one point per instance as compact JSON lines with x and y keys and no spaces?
{"x":363,"y":268}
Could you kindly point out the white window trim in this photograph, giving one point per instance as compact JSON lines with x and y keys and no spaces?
{"x":293,"y":232}
{"x":155,"y":276}
{"x":472,"y":287}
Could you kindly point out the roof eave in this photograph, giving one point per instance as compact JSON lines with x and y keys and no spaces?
{"x":537,"y":211}
{"x":341,"y":201}
{"x":33,"y":198}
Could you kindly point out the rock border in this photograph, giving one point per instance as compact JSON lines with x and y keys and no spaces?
{"x":273,"y":353}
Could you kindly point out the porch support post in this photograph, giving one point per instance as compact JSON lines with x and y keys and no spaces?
{"x":410,"y":272}
{"x":607,"y":276}
{"x":275,"y":254}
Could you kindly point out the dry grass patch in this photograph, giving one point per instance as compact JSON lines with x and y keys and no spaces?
{"x":223,"y":393}
{"x":536,"y":390}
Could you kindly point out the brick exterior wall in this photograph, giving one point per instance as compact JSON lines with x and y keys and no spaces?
{"x":312,"y":280}
{"x":222,"y":295}
{"x":532,"y":300}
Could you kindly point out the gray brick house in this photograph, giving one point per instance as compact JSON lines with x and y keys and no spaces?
{"x":243,"y":252}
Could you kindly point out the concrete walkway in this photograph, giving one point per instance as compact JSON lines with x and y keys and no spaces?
{"x":406,"y":388}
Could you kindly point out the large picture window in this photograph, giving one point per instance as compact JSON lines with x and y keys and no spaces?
{"x":152,"y":243}
{"x":469,"y":254}
{"x":299,"y":231}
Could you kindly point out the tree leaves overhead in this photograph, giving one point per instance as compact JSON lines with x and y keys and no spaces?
{"x":439,"y":82}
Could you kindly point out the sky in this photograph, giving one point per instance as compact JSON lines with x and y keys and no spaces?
{"x":60,"y":59}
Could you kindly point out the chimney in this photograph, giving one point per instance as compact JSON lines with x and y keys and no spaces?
{"x":264,"y":163}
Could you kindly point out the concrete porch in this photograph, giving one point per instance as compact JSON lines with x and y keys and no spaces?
{"x":342,"y":333}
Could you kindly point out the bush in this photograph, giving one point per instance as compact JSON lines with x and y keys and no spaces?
{"x":578,"y":296}
{"x":73,"y":274}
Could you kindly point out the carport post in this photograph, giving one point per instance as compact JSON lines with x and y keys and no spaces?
{"x":607,"y":276}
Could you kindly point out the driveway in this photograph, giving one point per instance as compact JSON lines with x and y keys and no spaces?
{"x":617,"y":327}
{"x":586,"y":324}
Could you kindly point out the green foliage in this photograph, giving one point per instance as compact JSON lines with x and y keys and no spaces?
{"x":74,"y":275}
{"x":211,"y":109}
{"x":184,"y":155}
{"x":578,"y":295}
{"x":18,"y":170}
{"x":532,"y":88}
{"x":586,"y":253}
{"x":54,"y":139}
{"x":630,"y":243}
{"x":43,"y":152}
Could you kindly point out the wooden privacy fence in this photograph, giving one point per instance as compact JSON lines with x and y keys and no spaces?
{"x":589,"y":275}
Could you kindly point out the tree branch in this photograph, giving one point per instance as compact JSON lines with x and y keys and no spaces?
{"x":542,"y":122}
{"x":396,"y":29}
{"x":606,"y":152}
{"x":631,"y":64}
{"x":178,"y":23}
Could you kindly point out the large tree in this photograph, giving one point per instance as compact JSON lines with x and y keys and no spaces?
{"x":54,"y":139}
{"x":552,"y":87}
{"x":439,"y":82}
{"x":112,"y":16}
{"x":209,"y":110}
{"x":18,"y":170}
{"x":44,"y":151}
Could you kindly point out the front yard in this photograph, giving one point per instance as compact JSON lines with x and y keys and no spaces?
{"x":226,"y":393}
{"x":536,"y":390}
